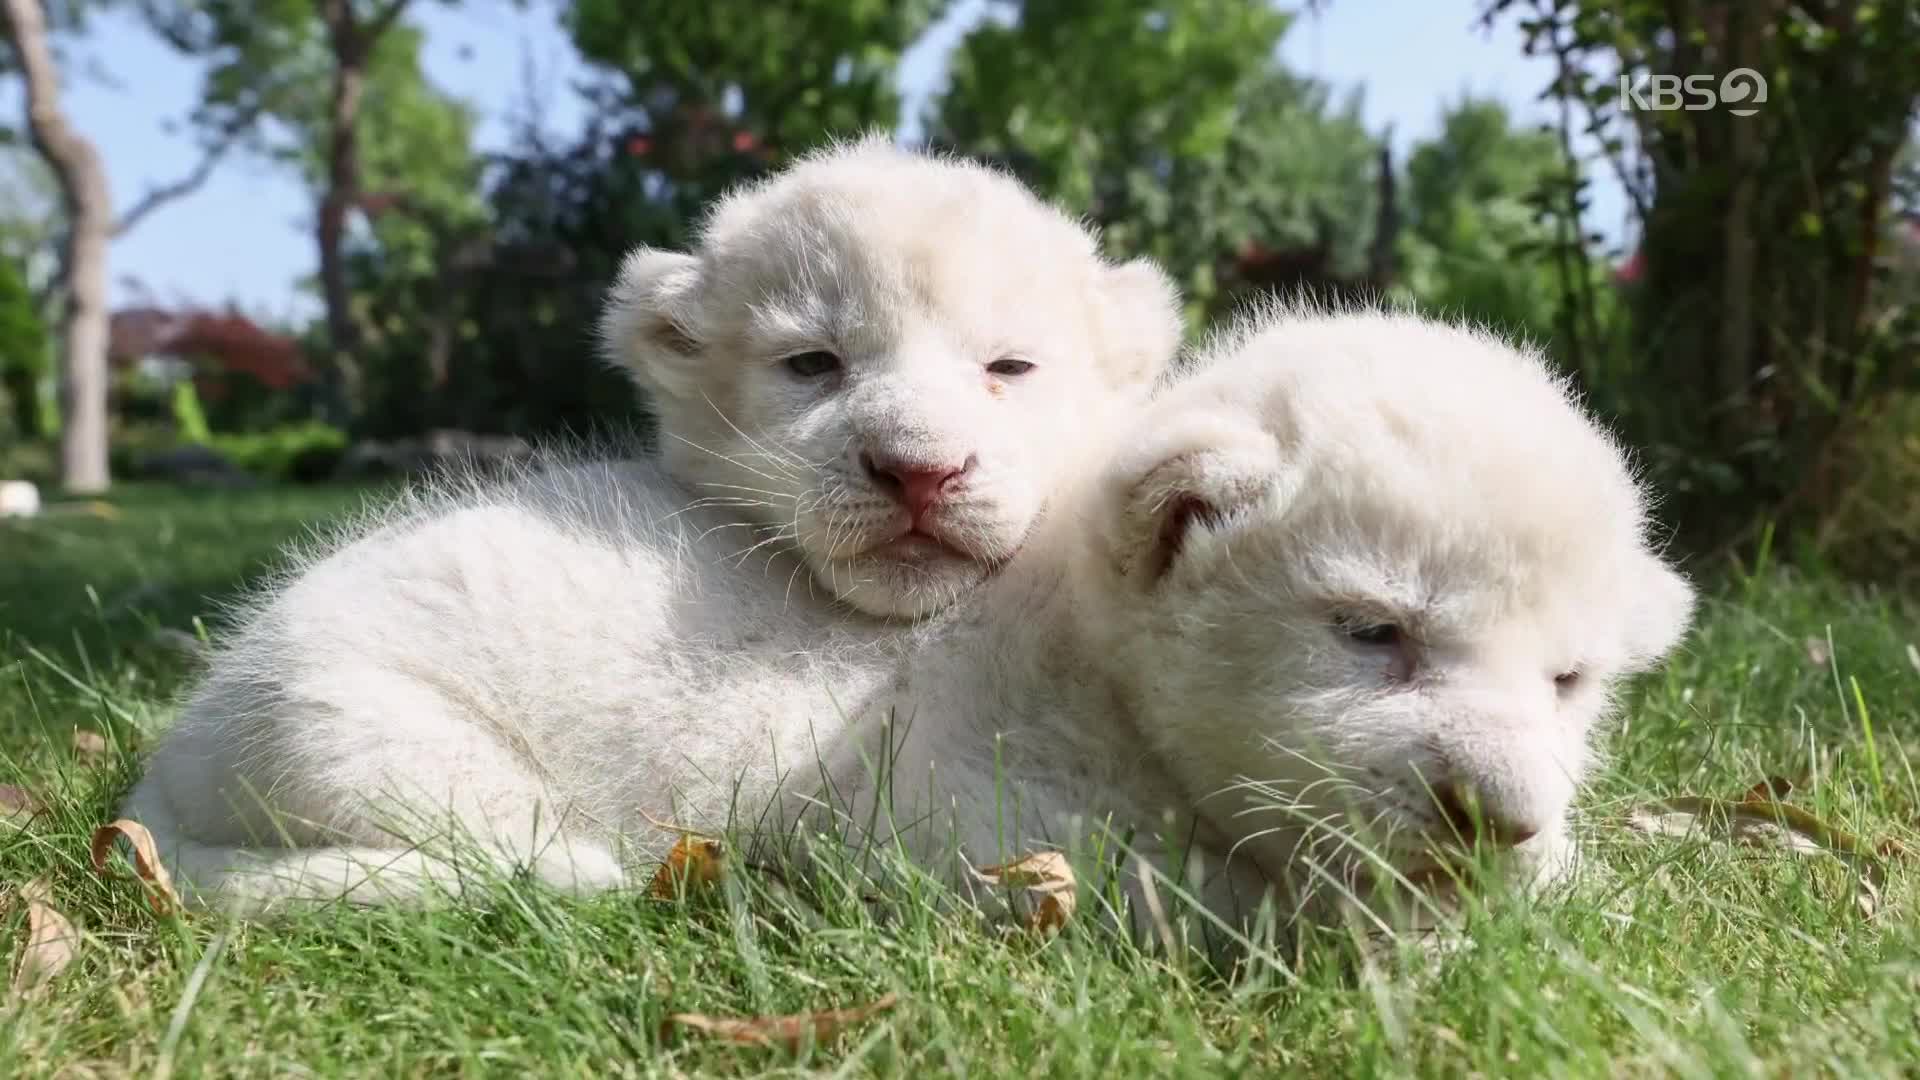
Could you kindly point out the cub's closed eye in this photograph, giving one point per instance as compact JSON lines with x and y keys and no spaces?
{"x":1010,"y":366}
{"x":812,"y":365}
{"x":1567,"y":680}
{"x":1376,"y":634}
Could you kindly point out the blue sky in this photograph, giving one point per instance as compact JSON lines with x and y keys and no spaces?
{"x":245,"y":235}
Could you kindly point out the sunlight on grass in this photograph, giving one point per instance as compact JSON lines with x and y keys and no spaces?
{"x":1671,"y":956}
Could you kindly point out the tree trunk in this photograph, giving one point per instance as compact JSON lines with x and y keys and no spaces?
{"x":89,"y":205}
{"x":1735,"y":368}
{"x":343,"y":181}
{"x":351,"y":39}
{"x":1381,"y":264}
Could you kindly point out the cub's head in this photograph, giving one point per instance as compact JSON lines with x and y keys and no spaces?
{"x":886,"y":360}
{"x":1369,"y":569}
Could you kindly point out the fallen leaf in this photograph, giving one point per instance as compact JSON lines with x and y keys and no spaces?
{"x":1759,"y":819}
{"x":1819,"y":653}
{"x":695,"y":862}
{"x":146,"y":861}
{"x":787,"y":1031}
{"x":1048,"y":878}
{"x":51,"y":942}
{"x":17,"y":803}
{"x":1772,"y":788}
{"x":89,"y":744}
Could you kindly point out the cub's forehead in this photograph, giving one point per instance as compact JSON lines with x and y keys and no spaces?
{"x":1393,"y":402}
{"x":1430,"y":454}
{"x":875,"y":228}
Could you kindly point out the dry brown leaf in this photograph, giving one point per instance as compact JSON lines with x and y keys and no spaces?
{"x":1048,"y":878}
{"x":787,"y":1031}
{"x":146,"y":861}
{"x":1773,"y":788}
{"x":1819,"y":653}
{"x":695,"y":862}
{"x":89,"y":744}
{"x":1759,"y":819}
{"x":51,"y":942}
{"x":17,"y":804}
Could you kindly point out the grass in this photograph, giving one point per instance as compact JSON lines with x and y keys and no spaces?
{"x":1682,"y":958}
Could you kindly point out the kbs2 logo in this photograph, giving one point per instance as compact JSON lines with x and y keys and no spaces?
{"x":1740,"y":90}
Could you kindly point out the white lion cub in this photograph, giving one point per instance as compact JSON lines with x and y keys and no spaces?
{"x":1363,"y":583}
{"x":883,"y":360}
{"x":872,"y":372}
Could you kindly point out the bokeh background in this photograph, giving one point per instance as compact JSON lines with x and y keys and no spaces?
{"x":342,"y":238}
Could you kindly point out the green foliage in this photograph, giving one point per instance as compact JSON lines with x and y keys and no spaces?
{"x":31,"y":214}
{"x":510,"y":315}
{"x":303,"y":452}
{"x":189,"y":419}
{"x":1100,"y":93}
{"x":271,"y":59}
{"x":1296,"y":175}
{"x":794,"y":73}
{"x":415,"y":155}
{"x":1168,"y":125}
{"x":499,"y":336}
{"x":1475,"y":243}
{"x":31,"y":218}
{"x":25,"y":351}
{"x":1763,"y":333}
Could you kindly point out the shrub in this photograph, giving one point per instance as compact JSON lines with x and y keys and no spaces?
{"x":1871,"y":530}
{"x":304,"y":453}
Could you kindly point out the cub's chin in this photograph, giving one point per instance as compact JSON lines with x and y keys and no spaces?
{"x":904,"y":581}
{"x":913,"y":575}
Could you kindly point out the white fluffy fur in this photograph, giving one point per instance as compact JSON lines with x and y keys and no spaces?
{"x":1175,"y":655}
{"x":918,"y":273}
{"x":532,"y":664}
{"x":1170,"y":654}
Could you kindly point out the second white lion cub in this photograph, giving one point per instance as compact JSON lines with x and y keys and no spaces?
{"x":884,"y":361}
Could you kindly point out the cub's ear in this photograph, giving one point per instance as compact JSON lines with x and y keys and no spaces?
{"x":1141,"y":324}
{"x":1662,"y":610}
{"x":1189,"y":490}
{"x":649,"y":326}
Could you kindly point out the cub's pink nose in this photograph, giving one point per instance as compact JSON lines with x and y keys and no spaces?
{"x":918,"y":487}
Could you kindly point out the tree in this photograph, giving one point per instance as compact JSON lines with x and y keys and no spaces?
{"x":518,"y":294}
{"x":88,"y":204}
{"x":791,"y":74}
{"x":367,"y":132}
{"x":689,"y":101}
{"x":1300,"y":202}
{"x":77,"y":286}
{"x":1476,"y":244}
{"x":1171,"y":127}
{"x":1757,"y":345}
